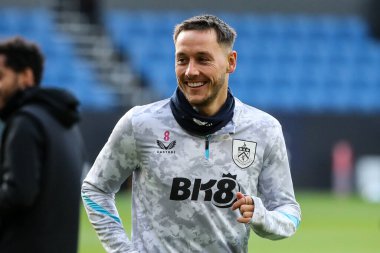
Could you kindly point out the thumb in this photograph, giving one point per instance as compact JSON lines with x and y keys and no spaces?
{"x":239,"y":195}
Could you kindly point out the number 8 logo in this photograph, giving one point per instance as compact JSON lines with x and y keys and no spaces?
{"x":166,"y":135}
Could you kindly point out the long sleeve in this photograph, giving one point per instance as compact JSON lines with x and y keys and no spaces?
{"x":114,"y":164}
{"x":277,"y":214}
{"x":20,"y":170}
{"x":103,"y":215}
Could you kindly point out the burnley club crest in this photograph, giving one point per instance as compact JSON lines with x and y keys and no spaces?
{"x":243,"y":152}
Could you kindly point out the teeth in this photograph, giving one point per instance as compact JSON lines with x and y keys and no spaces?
{"x":193,"y":85}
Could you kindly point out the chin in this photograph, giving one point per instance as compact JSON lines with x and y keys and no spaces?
{"x":197,"y":102}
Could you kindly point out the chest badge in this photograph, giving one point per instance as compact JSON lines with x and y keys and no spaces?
{"x":166,"y":145}
{"x":243,"y":152}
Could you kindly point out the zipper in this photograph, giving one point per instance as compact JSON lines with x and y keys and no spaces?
{"x":207,"y":147}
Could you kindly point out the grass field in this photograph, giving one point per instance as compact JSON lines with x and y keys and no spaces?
{"x":329,"y":225}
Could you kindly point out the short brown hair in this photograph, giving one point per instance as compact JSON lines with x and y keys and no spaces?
{"x":225,"y":34}
{"x":21,"y":54}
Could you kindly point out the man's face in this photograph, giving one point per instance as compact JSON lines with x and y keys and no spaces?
{"x":9,"y":82}
{"x":202,"y":67}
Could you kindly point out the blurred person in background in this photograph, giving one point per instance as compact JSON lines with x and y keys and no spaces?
{"x":41,"y":156}
{"x":206,"y":167}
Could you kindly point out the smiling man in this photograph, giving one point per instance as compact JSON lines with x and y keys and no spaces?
{"x":202,"y":68}
{"x":205,"y":167}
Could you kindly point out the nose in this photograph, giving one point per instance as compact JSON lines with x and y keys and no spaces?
{"x":191,"y":69}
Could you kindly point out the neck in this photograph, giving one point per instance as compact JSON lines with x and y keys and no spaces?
{"x":193,"y":121}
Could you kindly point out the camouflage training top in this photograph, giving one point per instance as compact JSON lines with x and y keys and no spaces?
{"x":183,"y":186}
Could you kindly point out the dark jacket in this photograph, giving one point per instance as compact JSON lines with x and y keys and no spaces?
{"x":41,"y":162}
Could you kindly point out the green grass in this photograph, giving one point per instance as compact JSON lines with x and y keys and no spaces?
{"x":329,"y":225}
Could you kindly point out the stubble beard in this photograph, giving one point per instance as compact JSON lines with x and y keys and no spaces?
{"x":215,"y":90}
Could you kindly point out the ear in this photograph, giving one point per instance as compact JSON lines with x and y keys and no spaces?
{"x":26,"y":78}
{"x":232,"y":57}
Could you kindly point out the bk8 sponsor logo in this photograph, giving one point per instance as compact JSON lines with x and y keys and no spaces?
{"x":220,"y":192}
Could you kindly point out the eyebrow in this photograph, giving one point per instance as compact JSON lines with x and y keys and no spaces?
{"x":202,"y":53}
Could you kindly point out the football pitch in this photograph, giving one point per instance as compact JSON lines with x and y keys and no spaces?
{"x":329,"y":225}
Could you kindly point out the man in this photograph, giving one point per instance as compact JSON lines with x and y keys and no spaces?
{"x":41,"y":157}
{"x":205,"y":166}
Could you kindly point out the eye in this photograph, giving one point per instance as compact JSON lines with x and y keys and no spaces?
{"x":181,"y":60}
{"x":203,"y":59}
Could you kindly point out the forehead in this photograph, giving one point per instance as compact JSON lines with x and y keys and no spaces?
{"x":196,"y":40}
{"x":4,"y":68}
{"x":2,"y":60}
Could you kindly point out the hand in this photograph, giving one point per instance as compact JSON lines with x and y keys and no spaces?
{"x":246,"y":207}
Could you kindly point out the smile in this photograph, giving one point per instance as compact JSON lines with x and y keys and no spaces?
{"x":195,"y":85}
